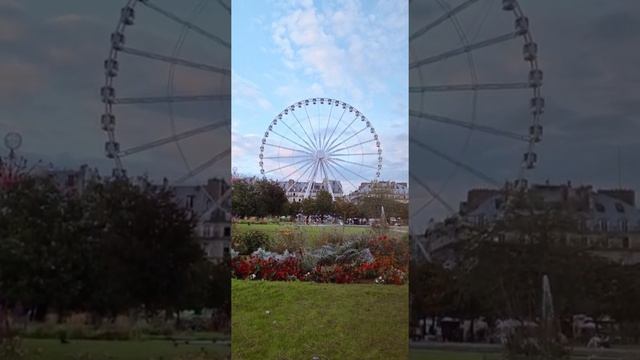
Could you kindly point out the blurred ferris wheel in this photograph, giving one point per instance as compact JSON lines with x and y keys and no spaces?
{"x":461,"y":58}
{"x":181,"y":89}
{"x":320,"y":142}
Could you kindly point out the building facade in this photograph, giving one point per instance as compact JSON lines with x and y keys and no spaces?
{"x":608,"y":220}
{"x":398,"y":191}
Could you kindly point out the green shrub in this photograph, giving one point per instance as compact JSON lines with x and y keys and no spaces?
{"x":12,"y":349}
{"x":247,"y":242}
{"x":289,"y":238}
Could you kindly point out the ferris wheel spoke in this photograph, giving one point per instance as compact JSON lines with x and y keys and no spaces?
{"x":352,"y":146}
{"x":204,"y":166}
{"x":313,"y":132}
{"x":169,"y":99}
{"x":357,"y":164}
{"x":327,"y":181}
{"x":343,"y":131}
{"x":441,"y":19}
{"x":336,"y":127}
{"x":326,"y":128}
{"x":186,"y":23}
{"x":303,"y":129}
{"x":431,"y":192}
{"x":468,"y":125}
{"x":305,"y":166}
{"x":286,"y":157}
{"x":311,"y":179}
{"x":174,"y":60}
{"x":347,"y":139}
{"x":348,"y":170}
{"x":458,"y":163}
{"x":173,"y":138}
{"x":295,"y":133}
{"x":225,"y":6}
{"x":355,"y":154}
{"x":470,"y":87}
{"x":332,"y":168}
{"x":288,"y":148}
{"x":293,"y":142}
{"x":286,"y":166}
{"x":465,"y":49}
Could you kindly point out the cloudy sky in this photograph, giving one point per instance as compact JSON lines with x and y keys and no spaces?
{"x":287,"y":51}
{"x":591,"y":122}
{"x":51,"y":71}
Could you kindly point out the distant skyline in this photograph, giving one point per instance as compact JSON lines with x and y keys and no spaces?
{"x":352,"y":51}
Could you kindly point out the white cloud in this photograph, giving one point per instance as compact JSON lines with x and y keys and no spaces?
{"x":340,"y":44}
{"x":247,"y":93}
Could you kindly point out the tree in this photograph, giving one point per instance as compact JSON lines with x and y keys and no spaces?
{"x":147,"y":247}
{"x":324,"y":203}
{"x":271,"y":198}
{"x":244,"y":199}
{"x":308,"y":206}
{"x":346,"y":209}
{"x":293,"y":208}
{"x":371,"y":205}
{"x":44,"y":258}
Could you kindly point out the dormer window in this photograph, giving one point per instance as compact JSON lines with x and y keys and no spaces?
{"x":619,"y":207}
{"x":599,"y":207}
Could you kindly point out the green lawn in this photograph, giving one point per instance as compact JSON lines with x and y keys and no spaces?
{"x":415,"y":354}
{"x":297,"y":320}
{"x":311,"y":232}
{"x":52,"y":349}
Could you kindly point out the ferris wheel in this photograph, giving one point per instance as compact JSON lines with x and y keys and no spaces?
{"x":167,"y":89}
{"x":320,"y":143}
{"x":475,"y":100}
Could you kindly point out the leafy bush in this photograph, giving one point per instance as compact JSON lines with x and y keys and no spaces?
{"x":247,"y":242}
{"x":12,"y":349}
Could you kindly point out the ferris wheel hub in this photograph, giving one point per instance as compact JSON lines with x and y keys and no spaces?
{"x":321,"y":155}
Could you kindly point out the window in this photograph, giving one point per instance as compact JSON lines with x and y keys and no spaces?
{"x":625,"y":242}
{"x":619,"y":208}
{"x":227,"y":231}
{"x":599,"y":207}
{"x":604,"y":225}
{"x":623,"y":225}
{"x":190,"y":199}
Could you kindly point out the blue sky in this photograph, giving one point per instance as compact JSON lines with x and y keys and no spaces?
{"x":287,"y":51}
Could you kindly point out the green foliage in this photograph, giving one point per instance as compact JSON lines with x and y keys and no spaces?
{"x":345,"y":209}
{"x":261,"y":198}
{"x":12,"y":349}
{"x":247,"y":242}
{"x":499,"y":270}
{"x":42,"y":250}
{"x":244,"y":199}
{"x":324,"y":203}
{"x":114,"y":247}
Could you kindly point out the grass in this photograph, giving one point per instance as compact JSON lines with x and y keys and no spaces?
{"x":354,"y":321}
{"x":311,"y":233}
{"x":52,"y":349}
{"x":416,"y":354}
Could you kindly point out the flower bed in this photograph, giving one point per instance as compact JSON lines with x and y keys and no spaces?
{"x":381,"y":260}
